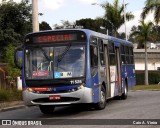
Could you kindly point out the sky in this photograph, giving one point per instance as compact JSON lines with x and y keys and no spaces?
{"x":54,"y":11}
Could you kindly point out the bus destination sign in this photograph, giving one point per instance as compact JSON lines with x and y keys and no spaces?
{"x":54,"y":38}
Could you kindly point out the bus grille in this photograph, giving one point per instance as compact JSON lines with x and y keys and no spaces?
{"x":63,"y":99}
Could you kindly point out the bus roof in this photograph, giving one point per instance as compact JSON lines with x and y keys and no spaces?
{"x":89,"y":33}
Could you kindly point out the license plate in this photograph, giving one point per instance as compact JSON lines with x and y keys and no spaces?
{"x":55,"y":97}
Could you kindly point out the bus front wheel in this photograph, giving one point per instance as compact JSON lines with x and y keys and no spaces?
{"x":47,"y":109}
{"x":102,"y":104}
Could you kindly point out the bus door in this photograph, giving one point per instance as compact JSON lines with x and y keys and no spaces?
{"x":107,"y":71}
{"x":118,"y":65}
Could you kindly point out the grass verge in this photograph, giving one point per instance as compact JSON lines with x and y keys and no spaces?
{"x":10,"y":95}
{"x":146,"y":87}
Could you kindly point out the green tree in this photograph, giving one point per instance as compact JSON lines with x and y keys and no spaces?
{"x":88,"y":23}
{"x":156,"y":31}
{"x":94,"y":24}
{"x":7,"y":36}
{"x":15,"y":22}
{"x":114,"y":15}
{"x":13,"y":71}
{"x":122,"y":35}
{"x":16,"y":16}
{"x":152,"y":5}
{"x":44,"y":26}
{"x":143,"y":35}
{"x":65,"y":24}
{"x":100,"y":24}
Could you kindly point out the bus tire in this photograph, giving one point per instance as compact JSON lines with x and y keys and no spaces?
{"x":125,"y":94}
{"x":47,"y":109}
{"x":102,"y":104}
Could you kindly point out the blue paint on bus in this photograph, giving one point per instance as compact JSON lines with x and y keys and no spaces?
{"x":75,"y":88}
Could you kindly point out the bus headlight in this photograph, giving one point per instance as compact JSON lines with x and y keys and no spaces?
{"x":77,"y":88}
{"x":30,"y":89}
{"x":81,"y":86}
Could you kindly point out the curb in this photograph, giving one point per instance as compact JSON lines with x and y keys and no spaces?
{"x":145,"y":90}
{"x":13,"y":105}
{"x":12,"y":108}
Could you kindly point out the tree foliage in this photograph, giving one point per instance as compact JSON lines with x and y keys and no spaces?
{"x":99,"y":25}
{"x":122,"y":35}
{"x":88,"y":23}
{"x":114,"y":15}
{"x":16,"y":16}
{"x":153,"y":34}
{"x":143,"y":35}
{"x":12,"y":69}
{"x":65,"y":24}
{"x":15,"y":22}
{"x":156,"y":32}
{"x":152,"y":6}
{"x":44,"y":26}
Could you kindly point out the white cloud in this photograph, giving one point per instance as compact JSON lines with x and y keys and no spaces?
{"x":88,"y":1}
{"x":53,"y":4}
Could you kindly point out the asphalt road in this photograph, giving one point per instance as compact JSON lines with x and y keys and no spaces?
{"x":139,"y":105}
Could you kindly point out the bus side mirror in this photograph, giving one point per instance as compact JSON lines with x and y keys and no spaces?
{"x":18,"y":57}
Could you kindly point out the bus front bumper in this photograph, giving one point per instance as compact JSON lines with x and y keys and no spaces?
{"x":83,"y":95}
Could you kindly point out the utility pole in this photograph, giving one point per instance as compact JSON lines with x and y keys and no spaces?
{"x":125,"y":19}
{"x":35,"y":22}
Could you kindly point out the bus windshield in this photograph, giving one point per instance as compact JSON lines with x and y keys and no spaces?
{"x":56,"y":62}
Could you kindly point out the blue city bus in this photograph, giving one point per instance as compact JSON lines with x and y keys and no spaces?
{"x":74,"y":66}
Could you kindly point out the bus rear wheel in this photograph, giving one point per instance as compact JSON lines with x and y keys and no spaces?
{"x":125,"y":94}
{"x":102,"y":104}
{"x":47,"y":109}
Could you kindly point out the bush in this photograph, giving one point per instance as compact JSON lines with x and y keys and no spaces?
{"x":3,"y":96}
{"x":153,"y":77}
{"x":10,"y":95}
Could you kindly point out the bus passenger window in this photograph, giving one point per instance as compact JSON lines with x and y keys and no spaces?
{"x":112,"y":59}
{"x":101,"y":46}
{"x":111,"y":47}
{"x":93,"y":56}
{"x":127,"y":54}
{"x":131,"y":59}
{"x":131,"y":55}
{"x":123,"y":59}
{"x":122,"y":49}
{"x":102,"y":59}
{"x":101,"y":51}
{"x":93,"y":59}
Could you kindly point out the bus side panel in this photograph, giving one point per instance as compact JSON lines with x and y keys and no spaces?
{"x":130,"y":76}
{"x":123,"y":67}
{"x":23,"y":73}
{"x":96,"y":89}
{"x":89,"y":79}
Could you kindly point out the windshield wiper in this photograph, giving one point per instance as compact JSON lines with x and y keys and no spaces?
{"x":60,"y":57}
{"x":44,"y":53}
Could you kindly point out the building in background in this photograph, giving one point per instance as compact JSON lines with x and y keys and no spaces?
{"x":153,"y":59}
{"x":150,"y":45}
